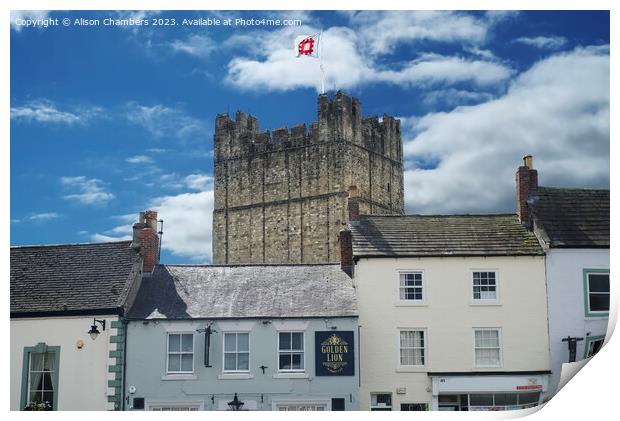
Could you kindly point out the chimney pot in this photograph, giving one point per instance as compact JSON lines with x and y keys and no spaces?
{"x":528,"y":162}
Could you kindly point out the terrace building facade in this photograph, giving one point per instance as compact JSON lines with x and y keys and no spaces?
{"x":572,"y":226}
{"x":256,"y":337}
{"x":452,"y":310}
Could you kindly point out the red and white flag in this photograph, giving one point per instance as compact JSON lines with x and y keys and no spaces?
{"x":307,"y":45}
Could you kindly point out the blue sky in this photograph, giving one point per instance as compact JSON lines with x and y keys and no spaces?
{"x":107,"y":121}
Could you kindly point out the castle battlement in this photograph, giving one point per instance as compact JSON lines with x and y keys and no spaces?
{"x":339,"y":119}
{"x":281,"y":195}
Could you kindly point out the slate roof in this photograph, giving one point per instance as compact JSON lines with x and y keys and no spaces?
{"x":442,"y":235}
{"x":69,"y":278}
{"x":572,"y":218}
{"x":245,"y":291}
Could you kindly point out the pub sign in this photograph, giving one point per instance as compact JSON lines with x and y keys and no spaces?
{"x":335,"y":353}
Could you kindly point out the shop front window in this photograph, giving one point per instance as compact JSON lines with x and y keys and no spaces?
{"x":500,"y":401}
{"x":380,"y":401}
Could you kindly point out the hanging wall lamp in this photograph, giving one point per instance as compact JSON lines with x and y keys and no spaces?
{"x":94,"y":332}
{"x":235,"y":404}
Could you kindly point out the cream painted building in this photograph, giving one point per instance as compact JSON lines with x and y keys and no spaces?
{"x":67,"y":329}
{"x":58,"y":354}
{"x":452,"y":312}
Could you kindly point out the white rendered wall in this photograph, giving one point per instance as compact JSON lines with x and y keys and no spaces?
{"x":83,"y":373}
{"x":449,"y":317}
{"x":566,"y":303}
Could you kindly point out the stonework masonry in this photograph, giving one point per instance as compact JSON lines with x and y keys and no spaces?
{"x":281,"y":197}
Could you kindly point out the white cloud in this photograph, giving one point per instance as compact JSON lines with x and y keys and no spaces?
{"x":101,"y":238}
{"x":196,"y":45}
{"x":44,"y":216}
{"x":45,"y":111}
{"x":454,"y":97}
{"x":162,"y":121}
{"x":433,"y":69}
{"x":558,"y":111}
{"x":544,"y":43}
{"x":199,"y":181}
{"x":383,"y":31}
{"x":346,"y":67}
{"x":187,"y":224}
{"x":139,"y":159}
{"x":88,"y":191}
{"x":18,"y":16}
{"x":187,"y":220}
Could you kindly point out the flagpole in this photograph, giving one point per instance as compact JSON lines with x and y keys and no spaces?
{"x":321,"y":62}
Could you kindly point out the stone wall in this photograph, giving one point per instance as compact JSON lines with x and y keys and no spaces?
{"x":281,"y":197}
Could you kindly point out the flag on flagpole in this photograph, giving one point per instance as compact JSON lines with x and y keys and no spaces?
{"x":307,"y":45}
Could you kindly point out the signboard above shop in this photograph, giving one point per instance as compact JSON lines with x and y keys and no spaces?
{"x":335,"y":353}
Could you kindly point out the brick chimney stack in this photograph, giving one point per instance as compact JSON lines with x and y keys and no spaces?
{"x":527,"y":184}
{"x":353,"y":204}
{"x":146,"y":240}
{"x":346,"y":251}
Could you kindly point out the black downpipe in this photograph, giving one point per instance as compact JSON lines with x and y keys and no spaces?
{"x":125,"y":325}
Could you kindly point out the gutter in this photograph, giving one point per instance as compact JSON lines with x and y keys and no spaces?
{"x":116,"y":311}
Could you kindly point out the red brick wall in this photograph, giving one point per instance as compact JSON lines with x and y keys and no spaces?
{"x":526,"y":183}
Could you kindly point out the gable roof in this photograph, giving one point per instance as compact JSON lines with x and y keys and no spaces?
{"x":247,"y":291}
{"x":442,"y":235}
{"x":572,"y":218}
{"x":71,"y":278}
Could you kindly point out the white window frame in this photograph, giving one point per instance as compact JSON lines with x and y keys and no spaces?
{"x":224,"y":352}
{"x":411,"y":302}
{"x":484,"y":301}
{"x":53,"y":377}
{"x":400,"y":366}
{"x":168,"y":372}
{"x":587,"y":273}
{"x":590,"y":346}
{"x":500,"y":343}
{"x":379,"y":407}
{"x":304,"y":351}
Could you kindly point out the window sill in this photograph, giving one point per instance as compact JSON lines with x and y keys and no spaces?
{"x":415,"y":369}
{"x":235,"y":376}
{"x":290,"y":375}
{"x":483,"y":303}
{"x":594,"y":316}
{"x":179,"y":377}
{"x":410,"y":304}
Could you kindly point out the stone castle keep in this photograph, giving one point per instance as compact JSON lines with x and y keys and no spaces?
{"x":282,"y":198}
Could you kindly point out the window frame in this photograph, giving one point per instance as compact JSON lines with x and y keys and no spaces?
{"x":500,"y":344}
{"x":589,"y":340}
{"x":303,"y":351}
{"x":425,"y":404}
{"x":381,"y":408}
{"x":180,"y":373}
{"x":484,"y":301}
{"x":39,"y":348}
{"x":400,"y":366}
{"x":586,"y":292}
{"x":224,"y":352}
{"x":411,"y":302}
